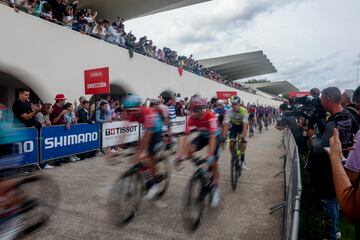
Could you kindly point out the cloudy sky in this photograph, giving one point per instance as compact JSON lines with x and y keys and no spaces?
{"x":312,"y":43}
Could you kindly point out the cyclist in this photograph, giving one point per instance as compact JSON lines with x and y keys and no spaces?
{"x":151,"y":140}
{"x":252,"y":118}
{"x":260,"y":117}
{"x":220,"y":112}
{"x":237,"y":118}
{"x":204,"y":122}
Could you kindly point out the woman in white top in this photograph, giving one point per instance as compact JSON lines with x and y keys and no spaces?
{"x":68,"y":19}
{"x":43,"y":116}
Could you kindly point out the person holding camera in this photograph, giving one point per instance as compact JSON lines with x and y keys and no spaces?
{"x":319,"y":163}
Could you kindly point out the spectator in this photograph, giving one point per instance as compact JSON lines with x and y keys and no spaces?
{"x":84,"y":112}
{"x":319,"y":162}
{"x":43,"y":116}
{"x":70,"y":118}
{"x":179,"y":108}
{"x":85,"y":27}
{"x":346,"y":99}
{"x":57,"y":116}
{"x":112,"y":35}
{"x":347,"y":180}
{"x":99,"y":31}
{"x":68,"y":17}
{"x":23,"y":110}
{"x":78,"y":107}
{"x":57,"y":9}
{"x":102,"y":115}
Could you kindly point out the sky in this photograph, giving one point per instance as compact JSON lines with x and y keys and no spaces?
{"x":312,"y":43}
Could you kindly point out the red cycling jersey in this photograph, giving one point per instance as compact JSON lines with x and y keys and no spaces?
{"x":206,"y":124}
{"x":146,"y":117}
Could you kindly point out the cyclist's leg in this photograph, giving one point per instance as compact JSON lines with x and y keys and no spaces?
{"x":232,"y":136}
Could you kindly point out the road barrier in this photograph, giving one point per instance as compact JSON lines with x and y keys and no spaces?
{"x":58,"y":141}
{"x":292,"y":188}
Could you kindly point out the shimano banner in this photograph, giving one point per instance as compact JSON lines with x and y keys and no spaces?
{"x":116,"y":133}
{"x":19,"y":147}
{"x":57,"y":141}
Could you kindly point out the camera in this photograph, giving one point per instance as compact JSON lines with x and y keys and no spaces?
{"x":311,"y":110}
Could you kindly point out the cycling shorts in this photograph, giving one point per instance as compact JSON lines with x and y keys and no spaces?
{"x":235,"y":130}
{"x":202,"y":141}
{"x":156,"y":143}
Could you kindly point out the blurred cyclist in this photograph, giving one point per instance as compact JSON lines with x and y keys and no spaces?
{"x":220,"y":112}
{"x":237,"y":118}
{"x":152,"y":139}
{"x":204,"y":122}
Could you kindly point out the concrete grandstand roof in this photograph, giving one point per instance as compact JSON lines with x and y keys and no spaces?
{"x":129,"y":9}
{"x":274,"y":88}
{"x":241,"y":66}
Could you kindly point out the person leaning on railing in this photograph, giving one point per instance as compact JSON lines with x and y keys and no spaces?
{"x":347,"y":180}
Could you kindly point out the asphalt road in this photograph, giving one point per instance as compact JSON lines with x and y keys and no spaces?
{"x":243,"y":214}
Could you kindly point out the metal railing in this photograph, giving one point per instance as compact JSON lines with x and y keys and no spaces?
{"x":292,"y":188}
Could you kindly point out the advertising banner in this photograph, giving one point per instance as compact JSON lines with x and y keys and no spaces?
{"x":19,"y":153}
{"x":224,"y":95}
{"x":57,"y":141}
{"x":298,"y":94}
{"x":97,"y":81}
{"x":116,"y":133}
{"x":178,"y":125}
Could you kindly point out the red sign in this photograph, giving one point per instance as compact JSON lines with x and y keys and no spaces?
{"x":97,"y":81}
{"x":298,"y":94}
{"x":225,"y":95}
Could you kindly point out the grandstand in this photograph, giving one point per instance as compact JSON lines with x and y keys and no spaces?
{"x":51,"y":59}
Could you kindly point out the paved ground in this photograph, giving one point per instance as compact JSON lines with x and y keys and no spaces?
{"x":243,"y":214}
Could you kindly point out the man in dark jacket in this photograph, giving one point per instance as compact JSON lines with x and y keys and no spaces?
{"x":84,"y":112}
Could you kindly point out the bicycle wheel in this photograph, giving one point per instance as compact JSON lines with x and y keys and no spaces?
{"x":234,"y":173}
{"x":194,"y":202}
{"x":40,"y":197}
{"x":125,"y":197}
{"x":164,"y":176}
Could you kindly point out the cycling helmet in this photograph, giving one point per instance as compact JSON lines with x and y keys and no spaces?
{"x":235,"y":99}
{"x":197,"y":104}
{"x":167,"y":96}
{"x":221,"y":102}
{"x":132,"y":101}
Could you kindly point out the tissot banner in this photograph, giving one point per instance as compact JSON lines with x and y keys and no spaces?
{"x":97,"y":81}
{"x":178,"y":125}
{"x":116,"y":133}
{"x":57,"y":141}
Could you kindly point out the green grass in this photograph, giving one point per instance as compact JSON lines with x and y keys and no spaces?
{"x":312,"y":218}
{"x":347,"y":230}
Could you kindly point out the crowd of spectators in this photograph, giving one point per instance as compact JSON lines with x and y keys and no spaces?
{"x":67,"y":13}
{"x":332,"y":164}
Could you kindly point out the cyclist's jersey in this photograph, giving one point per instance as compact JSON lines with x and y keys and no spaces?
{"x":261,"y":112}
{"x":237,"y":118}
{"x":252,"y":112}
{"x":206,"y":125}
{"x":150,"y":119}
{"x":220,"y":113}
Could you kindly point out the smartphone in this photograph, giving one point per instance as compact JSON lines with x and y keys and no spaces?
{"x":343,"y":125}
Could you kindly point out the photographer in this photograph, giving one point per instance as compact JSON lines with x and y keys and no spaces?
{"x":289,"y":121}
{"x":319,"y":163}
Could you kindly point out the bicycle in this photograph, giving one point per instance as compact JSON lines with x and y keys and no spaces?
{"x":251,"y":128}
{"x":35,"y":207}
{"x":266,"y":124}
{"x":130,"y":187}
{"x":199,"y":187}
{"x":260,"y":125}
{"x":237,"y":164}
